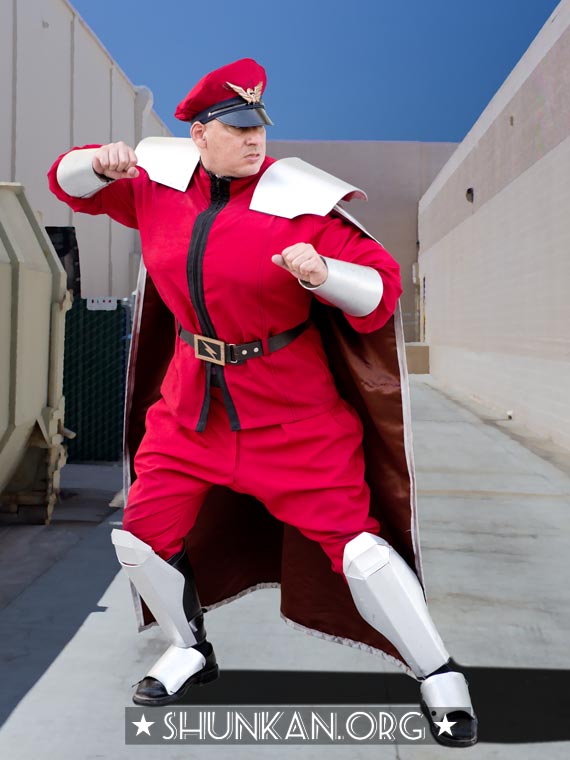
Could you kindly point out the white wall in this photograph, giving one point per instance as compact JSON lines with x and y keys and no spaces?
{"x":6,"y":89}
{"x":497,"y":271}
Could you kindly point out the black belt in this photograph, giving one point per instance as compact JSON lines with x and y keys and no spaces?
{"x":217,"y":352}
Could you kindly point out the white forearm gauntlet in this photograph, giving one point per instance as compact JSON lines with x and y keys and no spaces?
{"x":354,"y":288}
{"x":76,"y":176}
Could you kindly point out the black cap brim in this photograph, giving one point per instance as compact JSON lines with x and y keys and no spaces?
{"x":246,"y":116}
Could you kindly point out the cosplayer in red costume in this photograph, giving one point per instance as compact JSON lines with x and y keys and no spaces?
{"x":248,"y":400}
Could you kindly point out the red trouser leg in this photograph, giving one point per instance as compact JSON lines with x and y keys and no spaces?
{"x":176,"y":467}
{"x":309,"y":474}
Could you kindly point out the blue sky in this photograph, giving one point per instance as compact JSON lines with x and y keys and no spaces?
{"x":337,"y":70}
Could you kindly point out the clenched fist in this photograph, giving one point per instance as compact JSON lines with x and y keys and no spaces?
{"x":303,"y":262}
{"x":116,"y":161}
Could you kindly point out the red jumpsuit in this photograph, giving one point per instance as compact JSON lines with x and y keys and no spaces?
{"x":275,"y":427}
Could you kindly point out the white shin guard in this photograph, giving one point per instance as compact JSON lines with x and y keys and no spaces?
{"x":160,"y":585}
{"x":389,"y":597}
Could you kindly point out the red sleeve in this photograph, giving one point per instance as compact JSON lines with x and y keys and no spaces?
{"x":116,"y":199}
{"x":338,"y":239}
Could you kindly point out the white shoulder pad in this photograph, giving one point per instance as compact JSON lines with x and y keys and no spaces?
{"x":171,"y":161}
{"x":291,"y":187}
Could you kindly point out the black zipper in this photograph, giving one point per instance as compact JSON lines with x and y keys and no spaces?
{"x":219,"y":198}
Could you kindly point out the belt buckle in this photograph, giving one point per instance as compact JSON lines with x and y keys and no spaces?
{"x":210,"y":350}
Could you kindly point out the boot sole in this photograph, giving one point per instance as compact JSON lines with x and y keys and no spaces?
{"x":198,"y":679}
{"x":444,"y":739}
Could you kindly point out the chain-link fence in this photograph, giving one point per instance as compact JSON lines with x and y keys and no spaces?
{"x":95,"y":365}
{"x":95,"y":369}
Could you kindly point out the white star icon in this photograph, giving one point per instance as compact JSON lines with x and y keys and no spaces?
{"x":143,"y":725}
{"x":445,"y":725}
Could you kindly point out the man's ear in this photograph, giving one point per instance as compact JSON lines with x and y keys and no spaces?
{"x":198,"y":134}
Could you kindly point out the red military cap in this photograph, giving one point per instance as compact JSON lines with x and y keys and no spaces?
{"x":231,"y":94}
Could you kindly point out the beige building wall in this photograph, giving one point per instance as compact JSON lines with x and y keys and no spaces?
{"x":496,"y":271}
{"x":59,"y":87}
{"x":394,"y":175}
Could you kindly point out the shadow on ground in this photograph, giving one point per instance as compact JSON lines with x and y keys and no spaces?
{"x":513,"y":705}
{"x":36,"y":626}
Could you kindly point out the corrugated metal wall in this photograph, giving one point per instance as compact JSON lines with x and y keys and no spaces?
{"x":59,"y":87}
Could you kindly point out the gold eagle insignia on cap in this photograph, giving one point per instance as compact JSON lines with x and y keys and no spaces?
{"x":251,"y":95}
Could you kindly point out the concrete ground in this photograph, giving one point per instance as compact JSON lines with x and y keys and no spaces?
{"x":495,"y":526}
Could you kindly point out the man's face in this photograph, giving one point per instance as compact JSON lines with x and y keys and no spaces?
{"x":230,"y":151}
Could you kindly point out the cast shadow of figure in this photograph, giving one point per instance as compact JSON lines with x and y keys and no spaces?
{"x":513,"y":705}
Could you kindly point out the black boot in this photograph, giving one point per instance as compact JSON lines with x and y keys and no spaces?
{"x":150,"y":691}
{"x":462,"y":729}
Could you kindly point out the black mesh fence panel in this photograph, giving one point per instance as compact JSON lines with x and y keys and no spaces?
{"x":95,"y":368}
